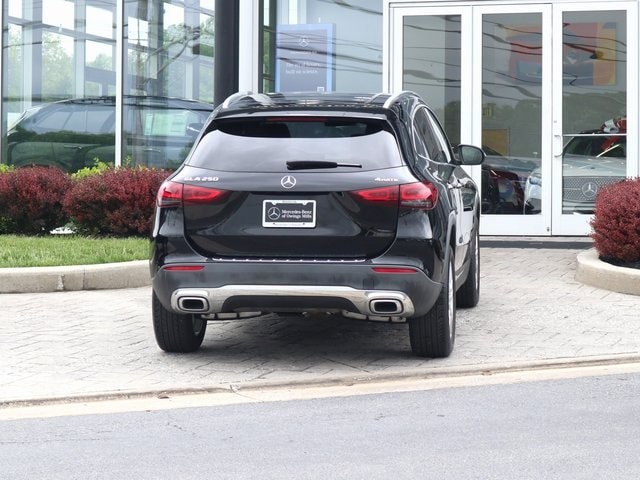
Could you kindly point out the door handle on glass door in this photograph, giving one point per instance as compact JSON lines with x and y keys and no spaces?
{"x":557,"y":146}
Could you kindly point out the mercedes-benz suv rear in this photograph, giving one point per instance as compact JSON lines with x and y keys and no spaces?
{"x":354,"y":205}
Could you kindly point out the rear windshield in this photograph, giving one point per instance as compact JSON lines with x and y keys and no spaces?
{"x":267,"y":144}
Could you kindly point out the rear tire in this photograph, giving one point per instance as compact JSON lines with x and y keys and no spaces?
{"x":469,"y":292}
{"x":175,"y":332}
{"x":432,"y":335}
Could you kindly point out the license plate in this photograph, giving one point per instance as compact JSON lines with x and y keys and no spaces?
{"x":289,"y":213}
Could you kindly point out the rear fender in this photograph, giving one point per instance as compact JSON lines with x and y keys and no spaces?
{"x":463,"y":256}
{"x":442,"y":251}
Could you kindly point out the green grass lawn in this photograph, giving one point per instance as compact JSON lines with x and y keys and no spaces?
{"x":23,"y":251}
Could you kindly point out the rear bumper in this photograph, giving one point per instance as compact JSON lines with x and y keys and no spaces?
{"x":353,"y":288}
{"x":242,"y":297}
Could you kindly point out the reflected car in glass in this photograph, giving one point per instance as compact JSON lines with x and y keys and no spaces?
{"x":503,"y":182}
{"x":73,"y":134}
{"x":353,"y":205}
{"x":590,"y":160}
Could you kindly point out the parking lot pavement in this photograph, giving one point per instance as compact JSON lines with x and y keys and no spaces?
{"x":86,"y":343}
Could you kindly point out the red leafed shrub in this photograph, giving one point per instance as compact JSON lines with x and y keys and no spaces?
{"x":616,"y":222}
{"x":31,"y":199}
{"x":117,"y":202}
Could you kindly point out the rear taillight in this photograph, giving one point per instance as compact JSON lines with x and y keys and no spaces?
{"x":420,"y":195}
{"x":174,"y":194}
{"x":196,"y":195}
{"x":381,"y":195}
{"x":169,"y":195}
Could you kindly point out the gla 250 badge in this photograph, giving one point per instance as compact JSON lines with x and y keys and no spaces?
{"x":201,"y":179}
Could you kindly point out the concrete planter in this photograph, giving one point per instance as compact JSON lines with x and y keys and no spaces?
{"x":593,"y":271}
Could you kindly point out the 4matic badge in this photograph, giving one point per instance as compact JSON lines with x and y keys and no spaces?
{"x":385,"y":179}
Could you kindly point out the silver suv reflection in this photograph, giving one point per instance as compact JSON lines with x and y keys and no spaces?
{"x":590,"y":160}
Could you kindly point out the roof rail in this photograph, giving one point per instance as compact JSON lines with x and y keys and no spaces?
{"x":394,"y":97}
{"x":262,"y":98}
{"x":232,"y":98}
{"x":259,"y":98}
{"x":375,"y":97}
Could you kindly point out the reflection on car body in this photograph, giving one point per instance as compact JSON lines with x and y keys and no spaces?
{"x":503,"y":182}
{"x":73,"y":134}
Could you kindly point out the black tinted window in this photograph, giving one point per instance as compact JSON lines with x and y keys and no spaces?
{"x":424,"y":128}
{"x":266,"y":146}
{"x":442,"y":144}
{"x":301,"y":127}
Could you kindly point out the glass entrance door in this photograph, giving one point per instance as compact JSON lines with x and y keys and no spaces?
{"x":551,"y":111}
{"x":513,"y":62}
{"x":594,"y":68}
{"x":431,"y":56}
{"x":486,"y":74}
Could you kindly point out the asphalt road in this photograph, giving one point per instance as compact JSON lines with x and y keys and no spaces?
{"x":569,"y":428}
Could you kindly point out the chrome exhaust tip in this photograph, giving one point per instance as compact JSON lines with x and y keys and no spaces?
{"x":386,"y":306}
{"x":193,"y":304}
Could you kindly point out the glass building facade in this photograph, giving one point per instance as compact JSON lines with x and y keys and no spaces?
{"x":122,"y":69}
{"x":322,"y":45}
{"x":549,"y":88}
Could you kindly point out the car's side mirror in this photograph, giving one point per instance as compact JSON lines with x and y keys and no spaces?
{"x":470,"y":155}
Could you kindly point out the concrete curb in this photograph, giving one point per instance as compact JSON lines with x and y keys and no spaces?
{"x":593,"y":271}
{"x":136,"y":274}
{"x":77,"y":277}
{"x":340,"y":380}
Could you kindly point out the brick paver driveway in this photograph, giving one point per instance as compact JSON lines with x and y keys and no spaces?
{"x":92,"y":342}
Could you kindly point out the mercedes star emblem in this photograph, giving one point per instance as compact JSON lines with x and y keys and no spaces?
{"x":589,"y":190}
{"x":288,"y":181}
{"x":273,"y":213}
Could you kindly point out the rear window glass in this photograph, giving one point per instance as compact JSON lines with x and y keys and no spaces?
{"x":301,"y":127}
{"x":265,"y":145}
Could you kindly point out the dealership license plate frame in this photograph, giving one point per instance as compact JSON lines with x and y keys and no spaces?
{"x":288,"y":213}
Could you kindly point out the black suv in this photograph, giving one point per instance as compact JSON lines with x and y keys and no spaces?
{"x":73,"y":134}
{"x":350,"y":204}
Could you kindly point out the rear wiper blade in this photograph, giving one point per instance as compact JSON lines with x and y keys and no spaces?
{"x":310,"y":164}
